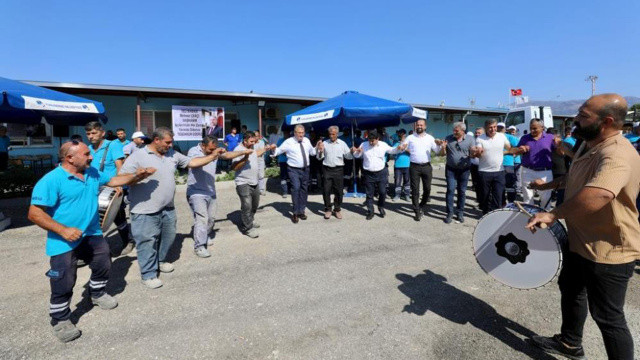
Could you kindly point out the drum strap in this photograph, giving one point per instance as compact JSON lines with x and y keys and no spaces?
{"x":104,"y":157}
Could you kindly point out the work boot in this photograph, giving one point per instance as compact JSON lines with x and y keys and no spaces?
{"x":65,"y":331}
{"x":105,"y":302}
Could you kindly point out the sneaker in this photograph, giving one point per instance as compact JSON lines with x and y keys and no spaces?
{"x":128,"y":248}
{"x":65,"y":331}
{"x":448,"y":219}
{"x":105,"y":302}
{"x":152,"y":283}
{"x":404,"y":198}
{"x":255,"y":225}
{"x":553,"y":345}
{"x":252,"y":233}
{"x":395,"y":198}
{"x":202,"y":252}
{"x":327,"y":215}
{"x":166,"y":267}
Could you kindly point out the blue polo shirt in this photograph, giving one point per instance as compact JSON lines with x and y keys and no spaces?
{"x":510,"y":160}
{"x":282,"y":158}
{"x":402,"y":159}
{"x":113,"y":153}
{"x":232,"y":141}
{"x":4,"y":143}
{"x":71,"y":202}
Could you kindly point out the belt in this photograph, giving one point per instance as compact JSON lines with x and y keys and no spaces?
{"x":537,"y":169}
{"x":299,"y":168}
{"x":427,"y":163}
{"x":333,"y":167}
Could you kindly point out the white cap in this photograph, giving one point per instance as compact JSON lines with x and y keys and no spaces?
{"x":512,"y":128}
{"x":501,"y":124}
{"x":138,"y":134}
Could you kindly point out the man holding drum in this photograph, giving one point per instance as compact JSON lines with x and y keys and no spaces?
{"x":604,"y":235}
{"x":65,"y":203}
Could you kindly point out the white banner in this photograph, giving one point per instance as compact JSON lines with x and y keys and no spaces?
{"x":419,"y":113}
{"x":33,"y":103}
{"x":301,"y":119}
{"x":189,"y":122}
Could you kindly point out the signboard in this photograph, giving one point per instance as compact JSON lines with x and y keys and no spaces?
{"x":301,"y":119}
{"x":192,"y":122}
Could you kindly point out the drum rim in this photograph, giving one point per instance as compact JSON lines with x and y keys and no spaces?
{"x":560,"y":258}
{"x":111,"y":203}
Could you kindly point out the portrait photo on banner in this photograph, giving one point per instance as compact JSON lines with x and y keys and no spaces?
{"x":193,"y":122}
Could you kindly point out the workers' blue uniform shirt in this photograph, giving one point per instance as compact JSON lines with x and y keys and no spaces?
{"x":71,"y":202}
{"x":4,"y":143}
{"x":113,"y":153}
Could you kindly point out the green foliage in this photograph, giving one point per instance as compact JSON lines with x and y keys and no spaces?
{"x":272,"y":172}
{"x":226,"y":176}
{"x":17,"y":182}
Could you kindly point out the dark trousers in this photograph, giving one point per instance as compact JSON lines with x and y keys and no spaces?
{"x":419,"y":172}
{"x":475,"y":180}
{"x":511,"y":179}
{"x":376,"y":181}
{"x":333,"y":184}
{"x":299,"y":188}
{"x":94,"y":250}
{"x":457,"y":179}
{"x":601,"y":288}
{"x":492,"y":184}
{"x":285,"y":183}
{"x":401,"y":181}
{"x":249,"y":201}
{"x":4,"y":160}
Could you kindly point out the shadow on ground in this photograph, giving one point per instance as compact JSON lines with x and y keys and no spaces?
{"x":431,"y":292}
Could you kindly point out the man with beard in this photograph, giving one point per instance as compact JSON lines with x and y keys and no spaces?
{"x":201,"y":192}
{"x":65,"y":203}
{"x":247,"y":180}
{"x":420,"y":145}
{"x":153,"y":215}
{"x":604,"y":235}
{"x":108,"y":158}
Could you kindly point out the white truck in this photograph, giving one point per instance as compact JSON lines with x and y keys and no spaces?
{"x":520,"y":117}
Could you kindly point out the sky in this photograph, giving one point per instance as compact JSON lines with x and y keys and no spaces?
{"x":422,"y":52}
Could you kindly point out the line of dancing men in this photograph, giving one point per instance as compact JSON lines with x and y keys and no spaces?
{"x":596,"y":257}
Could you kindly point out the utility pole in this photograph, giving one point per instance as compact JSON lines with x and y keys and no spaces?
{"x":593,"y":79}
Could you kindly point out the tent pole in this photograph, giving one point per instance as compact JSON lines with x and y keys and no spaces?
{"x":353,"y":163}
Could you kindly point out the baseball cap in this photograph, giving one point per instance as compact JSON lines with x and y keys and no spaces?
{"x":138,"y":134}
{"x":512,"y":128}
{"x":501,"y":124}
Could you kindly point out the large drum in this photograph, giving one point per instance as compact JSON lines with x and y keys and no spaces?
{"x":108,"y":206}
{"x":514,"y":255}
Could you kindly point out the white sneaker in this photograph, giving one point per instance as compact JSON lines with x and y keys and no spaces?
{"x":252,"y":233}
{"x":152,"y":283}
{"x":202,"y":252}
{"x":166,"y":267}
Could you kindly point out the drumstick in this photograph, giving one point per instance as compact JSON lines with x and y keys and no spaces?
{"x":519,"y":205}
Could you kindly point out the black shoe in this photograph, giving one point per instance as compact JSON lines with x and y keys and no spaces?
{"x":370,"y":215}
{"x":302,"y":217}
{"x":448,"y":219}
{"x":553,"y":345}
{"x":294,"y":218}
{"x":417,"y":216}
{"x":460,"y":218}
{"x":382,"y":212}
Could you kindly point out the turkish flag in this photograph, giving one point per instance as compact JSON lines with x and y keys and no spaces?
{"x":516,"y":92}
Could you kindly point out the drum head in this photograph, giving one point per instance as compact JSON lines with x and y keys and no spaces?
{"x":110,"y":212}
{"x":513,"y":255}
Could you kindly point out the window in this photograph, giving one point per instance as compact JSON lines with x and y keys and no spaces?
{"x":514,"y":118}
{"x":231,"y":120}
{"x":23,"y":135}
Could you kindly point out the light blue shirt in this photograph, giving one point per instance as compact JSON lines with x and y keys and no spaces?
{"x":402,"y":159}
{"x":510,"y":160}
{"x":114,"y":153}
{"x":71,"y":202}
{"x":4,"y":143}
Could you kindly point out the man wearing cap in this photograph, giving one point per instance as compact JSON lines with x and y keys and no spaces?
{"x":604,"y":234}
{"x":536,"y":149}
{"x":137,"y":142}
{"x":420,"y":145}
{"x":376,"y":175}
{"x":509,"y":165}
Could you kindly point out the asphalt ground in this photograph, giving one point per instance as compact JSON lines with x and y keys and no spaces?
{"x":388,"y":288}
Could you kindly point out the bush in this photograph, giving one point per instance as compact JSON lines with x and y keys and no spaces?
{"x":17,"y":182}
{"x":226,"y":177}
{"x":272,"y":172}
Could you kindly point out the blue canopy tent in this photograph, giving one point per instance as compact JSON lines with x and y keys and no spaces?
{"x":28,"y":104}
{"x":355,"y":110}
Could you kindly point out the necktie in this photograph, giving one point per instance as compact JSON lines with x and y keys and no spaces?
{"x":304,"y":156}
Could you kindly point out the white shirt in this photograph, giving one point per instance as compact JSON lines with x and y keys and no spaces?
{"x":334,"y":153}
{"x":291,"y":147}
{"x":420,"y":147}
{"x":374,"y":155}
{"x":491,"y":159}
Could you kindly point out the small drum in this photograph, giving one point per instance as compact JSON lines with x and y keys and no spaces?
{"x":514,"y":255}
{"x":108,"y":206}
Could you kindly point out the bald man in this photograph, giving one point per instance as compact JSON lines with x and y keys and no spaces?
{"x":65,"y":203}
{"x":604,"y":235}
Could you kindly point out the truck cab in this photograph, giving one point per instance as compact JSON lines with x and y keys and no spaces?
{"x":520,"y":117}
